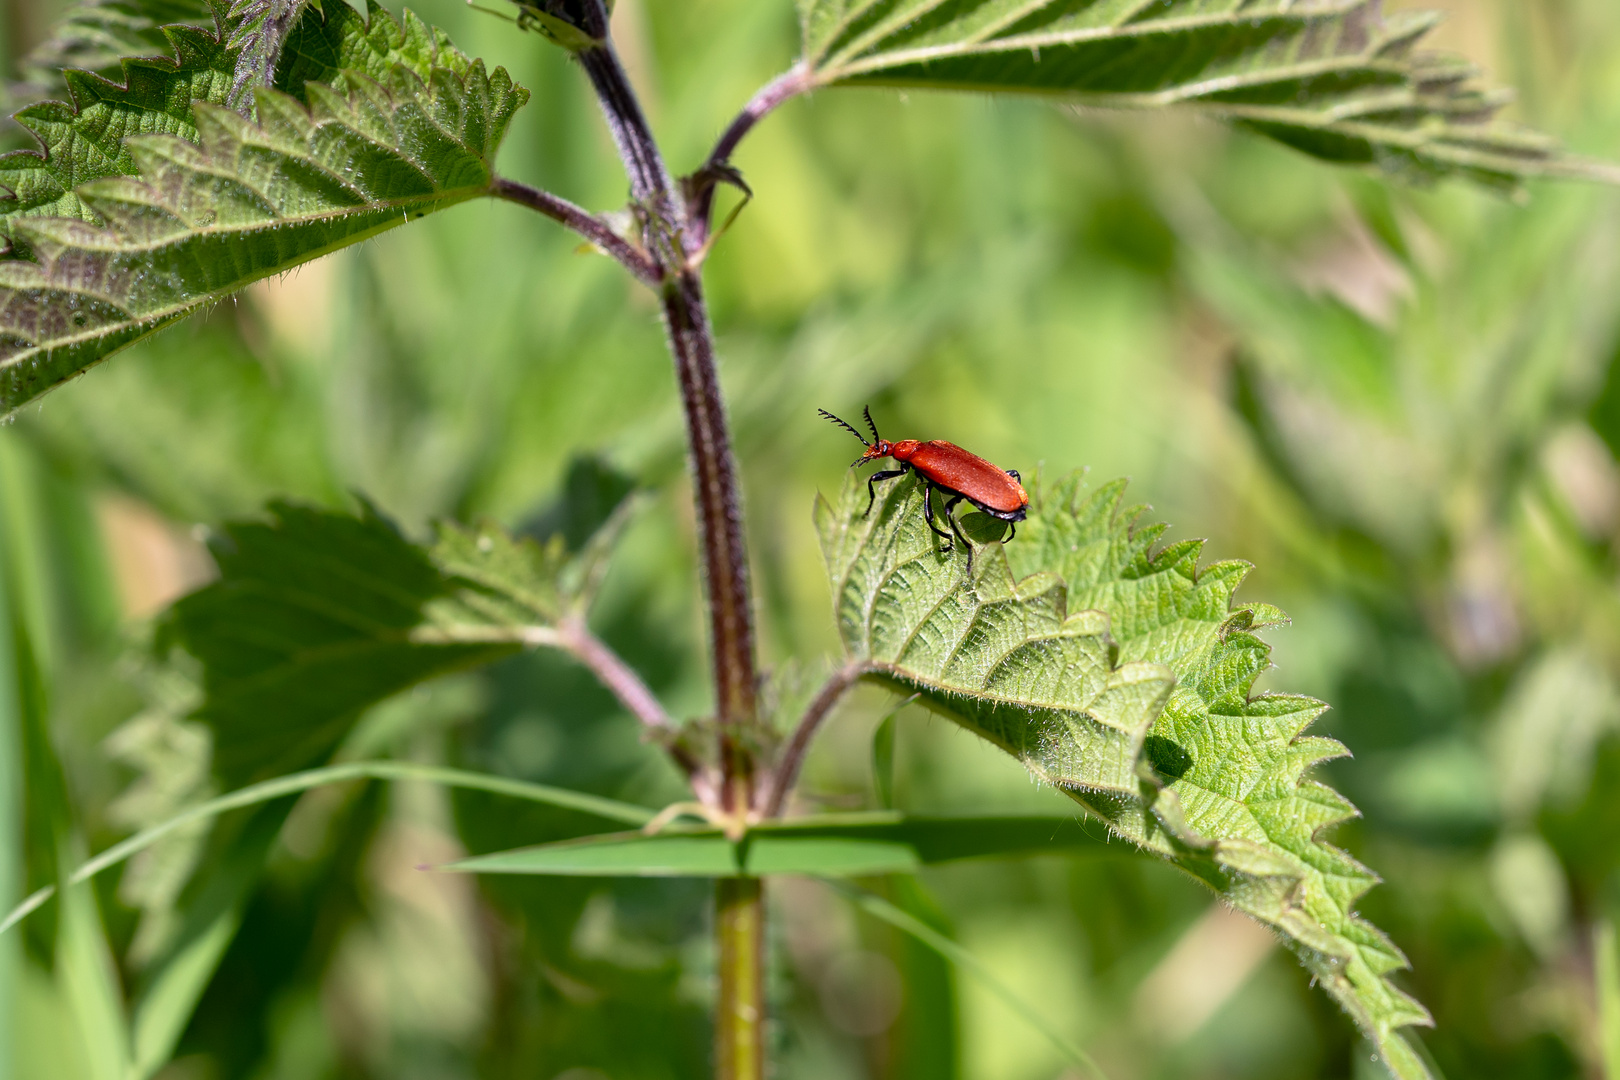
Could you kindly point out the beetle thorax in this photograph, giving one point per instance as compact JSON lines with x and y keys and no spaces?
{"x":903,"y":450}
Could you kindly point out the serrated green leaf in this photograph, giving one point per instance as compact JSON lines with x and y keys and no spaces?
{"x":83,"y":140}
{"x":97,"y":35}
{"x":1008,"y":658}
{"x":310,"y":622}
{"x":414,"y":129}
{"x":1337,"y":79}
{"x":325,"y":48}
{"x":318,"y":615}
{"x":841,"y":845}
{"x":1123,"y":675}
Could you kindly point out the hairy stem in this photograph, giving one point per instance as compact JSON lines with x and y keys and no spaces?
{"x":714,"y":471}
{"x":671,"y":245}
{"x":583,"y":222}
{"x":739,"y":906}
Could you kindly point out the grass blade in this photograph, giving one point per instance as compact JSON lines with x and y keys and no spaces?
{"x":880,"y":908}
{"x":269,"y":790}
{"x":830,"y":845}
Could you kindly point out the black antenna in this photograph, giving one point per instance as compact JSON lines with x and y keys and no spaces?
{"x":846,"y":427}
{"x":875,"y":436}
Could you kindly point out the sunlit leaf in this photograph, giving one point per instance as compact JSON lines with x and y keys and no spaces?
{"x":1008,"y":658}
{"x":406,"y":127}
{"x":1122,"y":673}
{"x":1337,"y":79}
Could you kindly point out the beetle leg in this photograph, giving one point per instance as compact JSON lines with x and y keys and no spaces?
{"x":1014,"y":474}
{"x":957,"y":529}
{"x":871,"y":492}
{"x":1011,"y":532}
{"x":928,"y":512}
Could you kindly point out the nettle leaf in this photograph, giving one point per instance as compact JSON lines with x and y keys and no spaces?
{"x":1006,"y":658}
{"x":318,"y":615}
{"x":83,"y":141}
{"x":96,"y":35}
{"x":1123,"y":675}
{"x":411,"y":126}
{"x":1337,"y":79}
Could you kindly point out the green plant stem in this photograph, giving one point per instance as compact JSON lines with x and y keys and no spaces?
{"x":1606,"y":960}
{"x":739,"y":1022}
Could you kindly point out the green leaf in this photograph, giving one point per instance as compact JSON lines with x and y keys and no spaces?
{"x":319,"y":615}
{"x":1123,"y":674}
{"x":84,"y":140}
{"x":407,"y":127}
{"x":1337,"y":79}
{"x":97,"y":35}
{"x":1007,"y":658}
{"x":165,"y":1009}
{"x":89,"y":980}
{"x":834,"y":845}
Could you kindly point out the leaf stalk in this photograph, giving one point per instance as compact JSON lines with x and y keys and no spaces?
{"x":785,"y":775}
{"x":584,"y":223}
{"x":790,"y":84}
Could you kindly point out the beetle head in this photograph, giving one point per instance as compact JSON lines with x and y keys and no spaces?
{"x":877,"y":448}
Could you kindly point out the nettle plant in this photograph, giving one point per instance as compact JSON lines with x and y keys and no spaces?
{"x":1116,"y":669}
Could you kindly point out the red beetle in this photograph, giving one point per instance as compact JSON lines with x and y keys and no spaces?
{"x":949,"y":468}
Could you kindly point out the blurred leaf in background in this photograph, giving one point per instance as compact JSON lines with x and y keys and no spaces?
{"x":1403,"y":405}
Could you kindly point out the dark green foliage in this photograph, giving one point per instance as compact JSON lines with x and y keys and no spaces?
{"x":311,"y":622}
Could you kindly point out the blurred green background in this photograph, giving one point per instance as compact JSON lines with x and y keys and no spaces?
{"x":1403,"y":406}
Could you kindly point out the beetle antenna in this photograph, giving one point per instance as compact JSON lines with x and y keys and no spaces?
{"x":876,"y":438}
{"x":845,"y":426}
